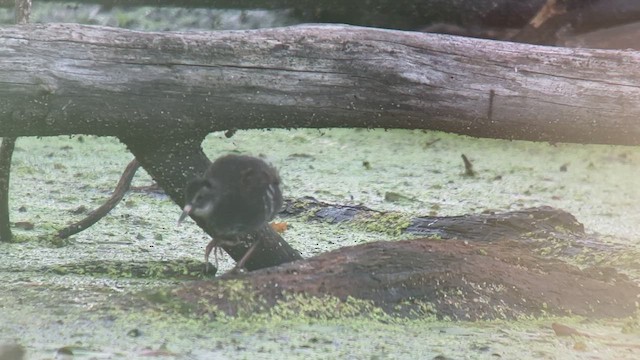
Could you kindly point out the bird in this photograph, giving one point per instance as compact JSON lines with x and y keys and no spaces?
{"x":236,"y":195}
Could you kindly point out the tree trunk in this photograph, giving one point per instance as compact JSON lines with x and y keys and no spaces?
{"x":6,"y":152}
{"x":69,"y":79}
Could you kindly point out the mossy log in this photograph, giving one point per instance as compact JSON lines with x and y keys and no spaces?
{"x":498,"y":275}
{"x":490,"y":225}
{"x":453,"y":279}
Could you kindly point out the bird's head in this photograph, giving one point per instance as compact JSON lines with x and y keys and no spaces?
{"x":201,"y":197}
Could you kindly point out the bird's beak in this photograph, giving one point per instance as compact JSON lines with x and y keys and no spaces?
{"x":185,"y":212}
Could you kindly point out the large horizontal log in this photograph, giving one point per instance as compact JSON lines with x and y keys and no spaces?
{"x":69,"y":79}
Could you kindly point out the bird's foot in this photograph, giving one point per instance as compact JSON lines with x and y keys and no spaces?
{"x":211,"y":246}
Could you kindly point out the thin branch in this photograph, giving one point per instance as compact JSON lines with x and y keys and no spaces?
{"x":99,"y":213}
{"x":468,"y":166}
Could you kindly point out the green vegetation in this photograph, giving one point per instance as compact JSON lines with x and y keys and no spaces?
{"x":57,"y":295}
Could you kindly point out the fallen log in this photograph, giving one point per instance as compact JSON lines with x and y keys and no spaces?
{"x":70,"y":79}
{"x":538,"y":221}
{"x":501,"y":274}
{"x":452,"y":279}
{"x":162,"y":93}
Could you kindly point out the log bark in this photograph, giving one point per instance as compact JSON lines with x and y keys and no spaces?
{"x":68,"y":79}
{"x":6,"y":152}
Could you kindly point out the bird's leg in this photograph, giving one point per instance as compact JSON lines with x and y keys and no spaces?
{"x":212,"y":245}
{"x":240,"y":264}
{"x":215,"y":245}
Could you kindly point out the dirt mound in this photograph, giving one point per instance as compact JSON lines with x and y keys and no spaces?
{"x":451,"y":279}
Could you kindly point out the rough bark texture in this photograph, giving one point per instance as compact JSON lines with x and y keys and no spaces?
{"x":68,"y":79}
